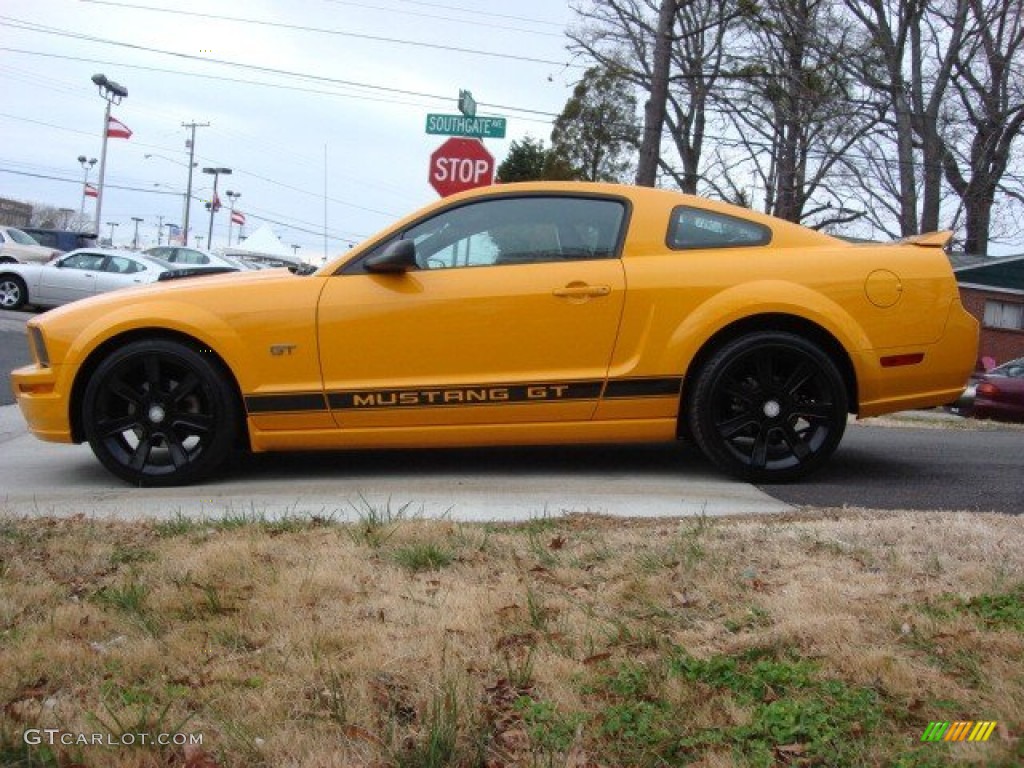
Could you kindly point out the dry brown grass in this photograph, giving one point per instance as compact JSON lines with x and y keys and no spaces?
{"x":822,"y":638}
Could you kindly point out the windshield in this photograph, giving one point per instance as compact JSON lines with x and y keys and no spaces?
{"x":1013,"y":369}
{"x":21,"y":238}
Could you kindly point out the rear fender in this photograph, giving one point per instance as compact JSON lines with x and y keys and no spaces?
{"x":764,"y":297}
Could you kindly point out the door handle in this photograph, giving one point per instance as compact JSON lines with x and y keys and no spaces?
{"x":581,"y":291}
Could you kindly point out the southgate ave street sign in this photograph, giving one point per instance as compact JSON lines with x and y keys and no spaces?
{"x":460,"y":125}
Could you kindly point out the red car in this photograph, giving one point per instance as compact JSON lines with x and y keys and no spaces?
{"x":999,"y":394}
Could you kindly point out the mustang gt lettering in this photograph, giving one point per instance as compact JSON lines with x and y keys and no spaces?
{"x":538,"y":313}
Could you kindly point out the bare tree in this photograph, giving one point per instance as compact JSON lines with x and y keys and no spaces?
{"x":989,"y":86}
{"x":908,"y":51}
{"x":654,"y":109}
{"x":670,"y":50}
{"x":796,"y":114}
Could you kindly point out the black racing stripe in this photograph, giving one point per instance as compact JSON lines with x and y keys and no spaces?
{"x":448,"y":397}
{"x":652,"y":387}
{"x":290,"y":403}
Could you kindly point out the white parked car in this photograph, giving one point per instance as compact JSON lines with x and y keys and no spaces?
{"x":18,"y":247}
{"x":183,"y":256}
{"x":75,"y":275}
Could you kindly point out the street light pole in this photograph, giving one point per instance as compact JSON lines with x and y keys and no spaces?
{"x":112,"y":93}
{"x":86,"y":166}
{"x":216,"y":173}
{"x":112,"y":225}
{"x":135,"y":240}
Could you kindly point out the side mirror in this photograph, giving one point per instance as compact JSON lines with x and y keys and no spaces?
{"x":398,"y":257}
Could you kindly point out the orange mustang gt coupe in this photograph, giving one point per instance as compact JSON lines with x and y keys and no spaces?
{"x":516,"y":314}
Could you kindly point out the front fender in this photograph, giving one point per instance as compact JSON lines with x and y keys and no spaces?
{"x":167,"y":315}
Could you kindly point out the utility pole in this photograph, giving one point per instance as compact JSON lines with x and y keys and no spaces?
{"x":160,"y":229}
{"x":191,"y":144}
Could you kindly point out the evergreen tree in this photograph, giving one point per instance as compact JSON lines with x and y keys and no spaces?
{"x":525,"y":161}
{"x":596,"y":135}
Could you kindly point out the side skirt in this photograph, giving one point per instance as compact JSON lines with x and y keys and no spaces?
{"x":621,"y":431}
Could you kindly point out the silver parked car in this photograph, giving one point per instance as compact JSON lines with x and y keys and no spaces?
{"x":183,"y":256}
{"x":75,"y":275}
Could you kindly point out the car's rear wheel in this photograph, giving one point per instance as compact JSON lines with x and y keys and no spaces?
{"x":768,"y":407}
{"x":159,"y":413}
{"x":13,"y":292}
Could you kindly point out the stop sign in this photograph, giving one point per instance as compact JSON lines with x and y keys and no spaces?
{"x":460,"y":164}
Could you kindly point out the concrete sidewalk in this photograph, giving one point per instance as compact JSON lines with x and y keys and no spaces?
{"x":636,"y":481}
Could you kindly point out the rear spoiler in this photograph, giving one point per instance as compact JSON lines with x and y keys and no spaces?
{"x":174,"y":274}
{"x":929,"y":239}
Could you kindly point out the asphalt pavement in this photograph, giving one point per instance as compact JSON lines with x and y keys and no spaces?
{"x":13,"y":352}
{"x":934,"y":466}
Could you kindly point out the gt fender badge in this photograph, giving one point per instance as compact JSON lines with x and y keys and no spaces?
{"x":278,"y":350}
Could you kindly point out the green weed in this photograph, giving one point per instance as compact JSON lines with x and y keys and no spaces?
{"x":423,"y":557}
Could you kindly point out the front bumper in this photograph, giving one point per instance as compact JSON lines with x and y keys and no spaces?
{"x":44,"y":402}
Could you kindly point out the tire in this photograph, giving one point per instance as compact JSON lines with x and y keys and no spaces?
{"x":13,"y":292}
{"x":769,"y":407}
{"x":159,"y":413}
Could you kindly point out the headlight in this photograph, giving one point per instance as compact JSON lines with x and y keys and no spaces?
{"x":37,"y":345}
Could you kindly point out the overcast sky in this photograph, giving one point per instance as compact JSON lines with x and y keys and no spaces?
{"x":299,"y":95}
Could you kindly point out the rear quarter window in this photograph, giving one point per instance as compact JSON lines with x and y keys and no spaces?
{"x":691,"y":228}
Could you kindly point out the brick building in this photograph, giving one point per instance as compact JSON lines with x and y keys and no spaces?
{"x":992,"y":289}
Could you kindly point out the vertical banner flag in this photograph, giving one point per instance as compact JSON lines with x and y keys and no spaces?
{"x":117,"y":130}
{"x":91,"y":191}
{"x":237,"y":217}
{"x":216,"y":202}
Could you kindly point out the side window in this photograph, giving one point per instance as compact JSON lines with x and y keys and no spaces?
{"x":49,"y":239}
{"x":188,"y":256}
{"x":83,"y":261}
{"x":122,"y":265}
{"x":519,"y":230}
{"x":696,"y":228}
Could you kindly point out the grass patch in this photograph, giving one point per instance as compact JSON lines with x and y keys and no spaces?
{"x":423,"y":556}
{"x":827,"y":638}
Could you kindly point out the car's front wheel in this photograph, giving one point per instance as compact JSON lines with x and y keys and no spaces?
{"x":159,"y":413}
{"x":13,"y":292}
{"x":768,"y":407}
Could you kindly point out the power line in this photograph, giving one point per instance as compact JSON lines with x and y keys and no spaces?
{"x":337,"y":32}
{"x":149,"y":191}
{"x":479,"y":13}
{"x":368,"y":6}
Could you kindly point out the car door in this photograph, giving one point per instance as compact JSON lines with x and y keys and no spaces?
{"x":509,"y":316}
{"x":70,"y":278}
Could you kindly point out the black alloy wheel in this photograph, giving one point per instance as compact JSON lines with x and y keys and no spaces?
{"x":159,"y":413}
{"x":13,"y":292}
{"x":769,"y":407}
